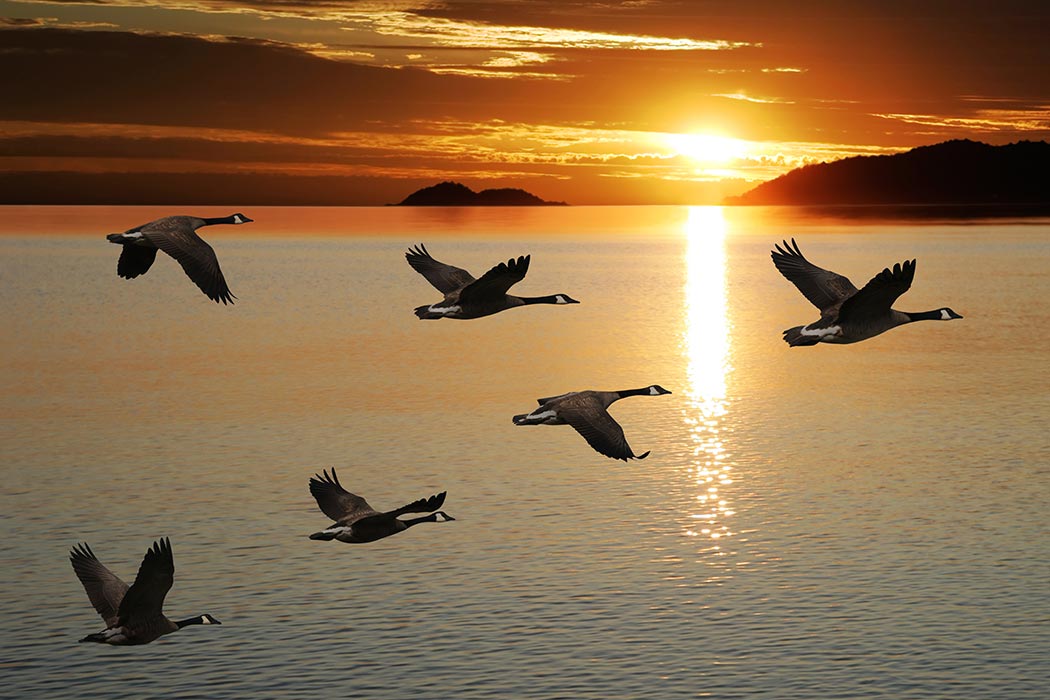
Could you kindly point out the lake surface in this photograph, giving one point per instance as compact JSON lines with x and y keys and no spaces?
{"x":864,"y":521}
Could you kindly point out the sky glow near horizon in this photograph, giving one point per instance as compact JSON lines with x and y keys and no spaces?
{"x":589,"y":102}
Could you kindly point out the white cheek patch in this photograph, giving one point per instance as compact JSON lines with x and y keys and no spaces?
{"x":560,"y":299}
{"x":653,"y":391}
{"x":205,"y":620}
{"x":945,"y":316}
{"x":237,"y":219}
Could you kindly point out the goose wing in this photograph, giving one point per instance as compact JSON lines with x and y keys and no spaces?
{"x":547,"y":399}
{"x":600,"y":430}
{"x":495,"y":283}
{"x":445,"y":278}
{"x":145,"y":599}
{"x":104,"y":589}
{"x":823,"y":288}
{"x":177,"y":237}
{"x":423,"y":505}
{"x":135,"y":260}
{"x":335,"y":501}
{"x":879,"y":294}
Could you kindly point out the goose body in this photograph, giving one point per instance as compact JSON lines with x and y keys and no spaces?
{"x":467,"y":297}
{"x":588,"y":413}
{"x":176,"y":236}
{"x":133,"y":615}
{"x":849,"y":315}
{"x":356,"y":521}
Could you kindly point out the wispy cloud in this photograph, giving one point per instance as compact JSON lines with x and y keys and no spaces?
{"x":744,"y":97}
{"x":985,"y":120}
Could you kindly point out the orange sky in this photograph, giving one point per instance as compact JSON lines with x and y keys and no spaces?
{"x":648,"y":101}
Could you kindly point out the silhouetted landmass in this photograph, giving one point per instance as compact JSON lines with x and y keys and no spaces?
{"x":959,"y":172}
{"x":453,"y":194}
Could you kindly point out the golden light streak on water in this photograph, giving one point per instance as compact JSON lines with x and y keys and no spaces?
{"x":707,"y":342}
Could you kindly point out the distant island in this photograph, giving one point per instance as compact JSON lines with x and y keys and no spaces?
{"x":958,"y":172}
{"x":454,"y":194}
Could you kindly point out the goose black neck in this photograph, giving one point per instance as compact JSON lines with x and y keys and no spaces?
{"x":924,"y":315}
{"x":634,"y":392}
{"x":219,"y":220}
{"x":432,"y":518}
{"x":551,"y":299}
{"x":199,"y":620}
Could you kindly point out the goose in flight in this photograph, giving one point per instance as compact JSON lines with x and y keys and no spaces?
{"x":176,"y":236}
{"x":132,"y":614}
{"x":849,"y":315}
{"x":466,"y":297}
{"x":587,"y":412}
{"x":356,"y":521}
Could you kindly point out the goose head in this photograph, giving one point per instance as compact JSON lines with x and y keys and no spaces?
{"x":239,"y":218}
{"x":947,"y":314}
{"x":657,"y":390}
{"x":564,"y":299}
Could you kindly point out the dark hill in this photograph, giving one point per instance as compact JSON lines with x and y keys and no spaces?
{"x":453,"y":194}
{"x":953,"y":172}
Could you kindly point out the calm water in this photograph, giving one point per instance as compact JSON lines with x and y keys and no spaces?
{"x":828,"y":522}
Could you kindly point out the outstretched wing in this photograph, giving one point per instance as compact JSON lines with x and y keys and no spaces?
{"x":547,"y":399}
{"x":600,"y":431}
{"x":423,"y":505}
{"x":145,"y":599}
{"x":879,"y":294}
{"x":135,"y":260}
{"x":176,"y":237}
{"x":445,"y":278}
{"x":823,"y":288}
{"x":104,"y":589}
{"x":495,"y":283}
{"x":335,"y":501}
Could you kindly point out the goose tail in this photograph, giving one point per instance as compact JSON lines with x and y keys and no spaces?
{"x":325,"y":536}
{"x":523,"y":419}
{"x":794,"y":337}
{"x":424,"y":312}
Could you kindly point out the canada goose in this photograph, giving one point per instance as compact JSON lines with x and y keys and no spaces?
{"x":356,"y":521}
{"x":587,"y":412}
{"x":846,"y":314}
{"x":176,"y":236}
{"x":133,"y":615}
{"x":466,"y":297}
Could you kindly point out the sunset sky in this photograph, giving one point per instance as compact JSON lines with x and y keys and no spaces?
{"x":651,"y":101}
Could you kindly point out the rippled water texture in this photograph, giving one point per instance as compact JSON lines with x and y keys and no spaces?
{"x":826,"y":522}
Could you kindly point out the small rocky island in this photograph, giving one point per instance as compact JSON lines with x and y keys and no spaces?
{"x":959,"y":172}
{"x":454,"y":194}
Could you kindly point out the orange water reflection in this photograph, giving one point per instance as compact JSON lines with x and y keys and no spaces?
{"x":707,"y":342}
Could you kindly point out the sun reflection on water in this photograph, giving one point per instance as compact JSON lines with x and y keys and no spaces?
{"x":707,"y":340}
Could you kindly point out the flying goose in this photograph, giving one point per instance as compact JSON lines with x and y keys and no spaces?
{"x":356,"y":521}
{"x":132,"y":615}
{"x":587,"y":412}
{"x":466,"y":297}
{"x":846,"y":314}
{"x":176,"y":236}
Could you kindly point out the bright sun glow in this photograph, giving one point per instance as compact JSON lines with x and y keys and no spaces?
{"x":707,"y":148}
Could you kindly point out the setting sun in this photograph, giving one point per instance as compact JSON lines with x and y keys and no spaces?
{"x":707,"y":148}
